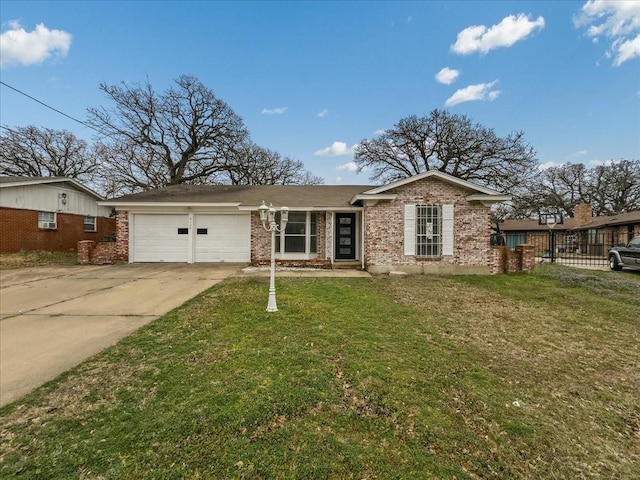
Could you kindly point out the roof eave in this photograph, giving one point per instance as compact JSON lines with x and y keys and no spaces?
{"x":437,"y":174}
{"x":488,"y":200}
{"x":125,"y":205}
{"x":370,"y":199}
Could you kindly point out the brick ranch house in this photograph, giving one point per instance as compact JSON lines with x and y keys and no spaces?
{"x":432,"y":222}
{"x":50,"y":213}
{"x":583,"y":233}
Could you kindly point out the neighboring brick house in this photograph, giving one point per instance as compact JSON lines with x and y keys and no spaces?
{"x":432,"y":222}
{"x":583,"y":233}
{"x":50,"y":213}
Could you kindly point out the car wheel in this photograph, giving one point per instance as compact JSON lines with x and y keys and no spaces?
{"x":613,"y":263}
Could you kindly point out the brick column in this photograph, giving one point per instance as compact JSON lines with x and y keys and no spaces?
{"x":122,"y":235}
{"x":527,"y":257}
{"x":84,"y":251}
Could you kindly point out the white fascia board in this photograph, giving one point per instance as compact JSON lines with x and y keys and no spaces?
{"x":307,"y":209}
{"x":488,"y":199}
{"x":134,"y":205}
{"x":372,"y":199}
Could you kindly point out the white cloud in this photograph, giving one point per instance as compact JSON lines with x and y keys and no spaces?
{"x":618,"y":21}
{"x":578,"y":153}
{"x":447,"y":75}
{"x":347,"y":167}
{"x":480,"y":91}
{"x":274,"y":111}
{"x":626,"y":50}
{"x":512,"y":29}
{"x":337,"y":180}
{"x":17,"y":46}
{"x":323,"y":113}
{"x":549,"y":164}
{"x":382,"y":131}
{"x":493,"y":94}
{"x":335,"y":150}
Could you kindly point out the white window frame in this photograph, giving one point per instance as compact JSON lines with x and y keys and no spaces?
{"x":47,"y":220}
{"x":308,"y":233}
{"x":93,"y":221}
{"x":446,"y":240}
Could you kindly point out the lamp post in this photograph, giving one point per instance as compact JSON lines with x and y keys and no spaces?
{"x":551,"y":219}
{"x":268,"y":218}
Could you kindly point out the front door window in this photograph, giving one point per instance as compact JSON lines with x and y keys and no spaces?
{"x":345,"y":236}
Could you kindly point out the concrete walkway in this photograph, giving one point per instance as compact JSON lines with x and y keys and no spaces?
{"x":282,"y":272}
{"x":53,"y":318}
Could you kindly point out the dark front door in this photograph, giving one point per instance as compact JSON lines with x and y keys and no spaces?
{"x":345,"y":236}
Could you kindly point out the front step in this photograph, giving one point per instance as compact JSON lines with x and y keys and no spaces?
{"x":347,"y":264}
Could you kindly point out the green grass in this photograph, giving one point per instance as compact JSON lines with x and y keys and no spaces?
{"x":471,"y":377}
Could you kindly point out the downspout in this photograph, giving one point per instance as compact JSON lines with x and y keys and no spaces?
{"x":362,"y":237}
{"x":329,"y":245}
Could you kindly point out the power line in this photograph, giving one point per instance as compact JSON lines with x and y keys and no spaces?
{"x":50,"y":107}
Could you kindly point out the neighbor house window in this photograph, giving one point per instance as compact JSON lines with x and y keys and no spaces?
{"x":300,"y":235}
{"x":90,"y":224}
{"x":47,"y":220}
{"x":428,"y":231}
{"x":596,"y":237}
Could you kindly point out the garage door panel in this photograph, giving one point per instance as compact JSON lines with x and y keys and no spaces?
{"x":161,"y":238}
{"x":223,"y":238}
{"x":215,"y":238}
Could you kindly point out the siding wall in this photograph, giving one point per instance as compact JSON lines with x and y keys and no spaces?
{"x":49,"y":198}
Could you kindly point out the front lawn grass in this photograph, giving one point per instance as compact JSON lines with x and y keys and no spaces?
{"x":470,"y":377}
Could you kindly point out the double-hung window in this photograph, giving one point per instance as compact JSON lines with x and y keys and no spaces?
{"x":300,"y":235}
{"x":428,"y":231}
{"x":90,"y":224}
{"x":47,"y":220}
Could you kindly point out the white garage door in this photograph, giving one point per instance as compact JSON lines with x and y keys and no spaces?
{"x":161,"y":238}
{"x":215,"y":238}
{"x":222,"y":238}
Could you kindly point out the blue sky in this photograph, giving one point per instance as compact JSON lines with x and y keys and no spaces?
{"x":311,"y":79}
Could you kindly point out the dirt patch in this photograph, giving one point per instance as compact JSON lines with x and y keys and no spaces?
{"x":37,"y":258}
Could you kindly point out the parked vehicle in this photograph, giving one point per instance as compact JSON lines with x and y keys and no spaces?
{"x":625,"y":256}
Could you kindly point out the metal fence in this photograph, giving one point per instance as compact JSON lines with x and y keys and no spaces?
{"x":581,"y":248}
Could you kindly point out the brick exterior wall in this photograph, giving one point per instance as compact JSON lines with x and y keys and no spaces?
{"x":505,"y":260}
{"x":384,"y":230}
{"x":122,"y":236}
{"x":583,"y":214}
{"x":19,"y":231}
{"x":100,"y":253}
{"x":261,"y":244}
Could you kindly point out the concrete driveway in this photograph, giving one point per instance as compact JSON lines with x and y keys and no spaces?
{"x":52,"y":318}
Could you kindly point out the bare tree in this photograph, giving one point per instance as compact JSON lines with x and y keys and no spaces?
{"x":610,"y":189}
{"x":184,"y":135}
{"x":615,"y":187}
{"x":43,"y":152}
{"x":449,"y":143}
{"x":255,"y":165}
